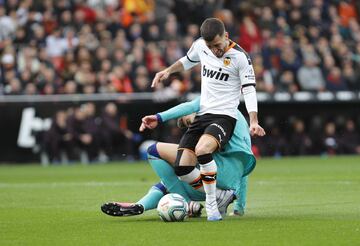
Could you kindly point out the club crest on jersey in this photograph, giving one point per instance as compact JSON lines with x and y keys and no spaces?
{"x":227,"y":61}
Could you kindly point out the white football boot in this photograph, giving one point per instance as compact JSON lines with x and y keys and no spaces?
{"x":224,"y":198}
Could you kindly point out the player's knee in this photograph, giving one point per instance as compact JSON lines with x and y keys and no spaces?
{"x":203,"y":149}
{"x":183,"y":170}
{"x":152,"y":150}
{"x":204,"y":159}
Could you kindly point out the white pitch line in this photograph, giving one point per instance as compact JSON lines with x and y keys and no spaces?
{"x":71,"y":184}
{"x":140,"y":183}
{"x":306,"y":182}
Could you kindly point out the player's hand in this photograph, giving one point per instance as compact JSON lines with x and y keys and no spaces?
{"x":159,"y":77}
{"x":148,"y":122}
{"x":186,"y":120}
{"x":256,"y":130}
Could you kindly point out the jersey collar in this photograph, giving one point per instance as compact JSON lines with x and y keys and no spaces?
{"x":231,"y":45}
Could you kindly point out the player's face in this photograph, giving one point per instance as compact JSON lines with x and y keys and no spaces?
{"x":218,"y":45}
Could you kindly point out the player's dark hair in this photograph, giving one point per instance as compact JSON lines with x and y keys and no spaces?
{"x":210,"y":28}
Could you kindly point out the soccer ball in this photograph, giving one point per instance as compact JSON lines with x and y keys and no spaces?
{"x":172,"y":207}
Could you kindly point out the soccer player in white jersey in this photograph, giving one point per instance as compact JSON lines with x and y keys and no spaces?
{"x":226,"y":70}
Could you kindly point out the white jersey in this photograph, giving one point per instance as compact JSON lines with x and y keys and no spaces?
{"x":221,"y":78}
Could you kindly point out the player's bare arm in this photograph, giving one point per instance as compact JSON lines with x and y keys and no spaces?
{"x":164,"y":74}
{"x":255,"y":128}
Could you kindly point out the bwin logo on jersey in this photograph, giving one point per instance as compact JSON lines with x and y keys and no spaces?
{"x":215,"y":74}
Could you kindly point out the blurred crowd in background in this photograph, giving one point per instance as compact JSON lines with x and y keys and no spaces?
{"x":310,"y":136}
{"x":104,"y":46}
{"x":98,"y":46}
{"x":100,"y":134}
{"x":82,"y":133}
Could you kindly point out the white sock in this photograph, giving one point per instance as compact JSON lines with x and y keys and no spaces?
{"x":208,"y":174}
{"x":194,"y":179}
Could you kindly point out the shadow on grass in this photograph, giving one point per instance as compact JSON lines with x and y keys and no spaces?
{"x":151,"y":219}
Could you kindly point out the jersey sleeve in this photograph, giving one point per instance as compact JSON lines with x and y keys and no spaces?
{"x":181,"y":110}
{"x":192,"y":57}
{"x":248,"y":82}
{"x":246,"y":70}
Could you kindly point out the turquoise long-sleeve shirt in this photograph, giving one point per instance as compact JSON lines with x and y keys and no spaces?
{"x":181,"y":110}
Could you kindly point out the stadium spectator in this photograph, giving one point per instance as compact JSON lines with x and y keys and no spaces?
{"x":8,"y":68}
{"x":82,"y":138}
{"x":330,"y":139}
{"x":347,"y":11}
{"x":335,"y":80}
{"x":264,"y":78}
{"x":14,"y":87}
{"x":275,"y":143}
{"x":266,"y":21}
{"x":116,"y":140}
{"x":141,"y":80}
{"x":92,"y":126}
{"x":270,"y":53}
{"x":286,"y":82}
{"x":310,"y":76}
{"x":351,"y":77}
{"x":289,"y":60}
{"x":70,"y":87}
{"x":7,"y":24}
{"x":250,"y":38}
{"x":30,"y":89}
{"x":300,"y":142}
{"x":349,"y":140}
{"x":120,"y":81}
{"x":57,"y":141}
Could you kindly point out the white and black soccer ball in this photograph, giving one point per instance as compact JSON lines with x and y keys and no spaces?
{"x":173,"y":207}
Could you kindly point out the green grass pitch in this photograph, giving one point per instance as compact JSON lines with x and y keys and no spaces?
{"x":291,"y":201}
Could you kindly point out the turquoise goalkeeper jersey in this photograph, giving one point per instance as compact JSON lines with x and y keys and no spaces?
{"x":235,"y":161}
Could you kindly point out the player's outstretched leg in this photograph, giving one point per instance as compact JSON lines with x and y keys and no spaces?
{"x":166,"y":173}
{"x":152,"y":198}
{"x":147,"y":202}
{"x":122,"y":209}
